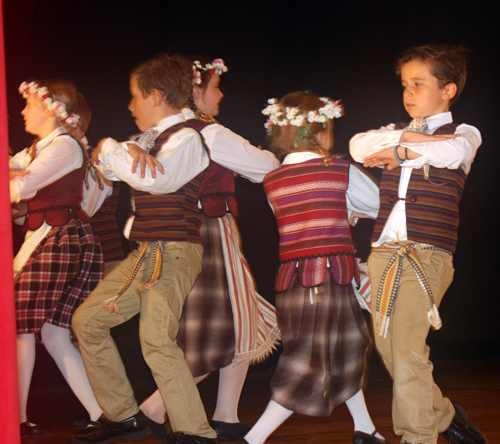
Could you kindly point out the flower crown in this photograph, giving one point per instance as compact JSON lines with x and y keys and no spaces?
{"x":294,"y":116}
{"x":59,"y":108}
{"x":216,"y":67}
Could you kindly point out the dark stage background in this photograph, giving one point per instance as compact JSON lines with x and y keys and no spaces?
{"x":339,"y":49}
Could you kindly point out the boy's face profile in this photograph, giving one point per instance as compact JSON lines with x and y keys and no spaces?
{"x":142,"y":108}
{"x":422,"y":95}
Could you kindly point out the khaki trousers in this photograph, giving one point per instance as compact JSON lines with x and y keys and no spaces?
{"x":419,"y":410}
{"x":160,"y":309}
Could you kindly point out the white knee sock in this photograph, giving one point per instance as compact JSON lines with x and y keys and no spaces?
{"x":25,"y":363}
{"x":154,"y":407}
{"x":231,"y":381}
{"x":359,"y":412}
{"x":58,"y":343}
{"x":271,"y":419}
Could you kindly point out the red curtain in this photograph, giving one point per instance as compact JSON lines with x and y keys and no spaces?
{"x":9,"y":410}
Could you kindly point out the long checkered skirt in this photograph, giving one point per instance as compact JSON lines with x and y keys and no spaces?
{"x":58,"y":276}
{"x":206,"y":331}
{"x":325,"y":346}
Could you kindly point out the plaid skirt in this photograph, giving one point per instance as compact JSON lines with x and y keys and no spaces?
{"x":325,"y":345}
{"x":58,"y":276}
{"x":206,"y":331}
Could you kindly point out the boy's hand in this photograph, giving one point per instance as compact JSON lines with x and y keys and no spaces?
{"x":142,"y":158}
{"x":94,"y":155}
{"x":414,"y":137}
{"x":384,"y":157}
{"x":19,"y":210}
{"x":17,"y":172}
{"x":355,"y":216}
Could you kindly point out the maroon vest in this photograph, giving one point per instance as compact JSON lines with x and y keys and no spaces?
{"x":432,"y":213}
{"x":58,"y":202}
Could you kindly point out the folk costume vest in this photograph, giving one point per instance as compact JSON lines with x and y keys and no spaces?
{"x":58,"y":202}
{"x":173,"y":216}
{"x":431,"y":203}
{"x":217,"y":189}
{"x":309,"y":202}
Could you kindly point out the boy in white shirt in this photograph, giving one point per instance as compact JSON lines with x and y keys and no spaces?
{"x":155,"y":279}
{"x":415,"y":236}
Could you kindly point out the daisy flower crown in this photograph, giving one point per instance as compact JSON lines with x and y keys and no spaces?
{"x":59,"y":108}
{"x":278,"y":115}
{"x":216,"y":67}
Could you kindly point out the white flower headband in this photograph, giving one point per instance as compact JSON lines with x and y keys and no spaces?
{"x":216,"y":67}
{"x":59,"y":108}
{"x":278,"y":115}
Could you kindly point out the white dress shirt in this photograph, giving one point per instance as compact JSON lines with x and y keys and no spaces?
{"x":450,"y":153}
{"x":183,"y":157}
{"x":235,"y":153}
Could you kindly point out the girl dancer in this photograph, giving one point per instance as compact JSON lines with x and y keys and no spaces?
{"x":226,"y":324}
{"x":325,"y":337}
{"x":60,"y":260}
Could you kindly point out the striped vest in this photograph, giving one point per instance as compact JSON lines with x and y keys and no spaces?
{"x":168,"y":217}
{"x":58,"y":202}
{"x":432,"y":213}
{"x":309,"y":203}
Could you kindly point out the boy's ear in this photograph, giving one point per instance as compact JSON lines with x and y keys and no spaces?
{"x":449,"y":91}
{"x":156,"y":96}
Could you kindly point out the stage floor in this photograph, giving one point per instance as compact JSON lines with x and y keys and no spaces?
{"x":471,"y":381}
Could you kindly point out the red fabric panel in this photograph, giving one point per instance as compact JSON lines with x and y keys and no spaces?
{"x":9,"y":410}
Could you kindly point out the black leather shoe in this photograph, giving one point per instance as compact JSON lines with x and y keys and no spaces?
{"x":105,"y":431}
{"x":365,"y":438}
{"x":27,"y":430}
{"x":229,"y":431}
{"x":182,"y":438}
{"x":82,"y":421}
{"x":462,"y":431}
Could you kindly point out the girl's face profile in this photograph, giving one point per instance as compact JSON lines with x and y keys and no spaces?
{"x":208,"y":100}
{"x":35,"y":116}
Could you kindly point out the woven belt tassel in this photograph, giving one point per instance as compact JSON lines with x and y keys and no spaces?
{"x":156,"y":269}
{"x":389,"y":285}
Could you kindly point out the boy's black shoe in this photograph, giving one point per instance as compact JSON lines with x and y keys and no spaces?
{"x":229,"y":431}
{"x":462,"y":431}
{"x":182,"y":438}
{"x":365,"y":438}
{"x":105,"y":431}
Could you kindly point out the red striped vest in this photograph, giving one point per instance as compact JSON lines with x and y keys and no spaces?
{"x":309,"y":203}
{"x":432,"y":213}
{"x":168,"y":217}
{"x":58,"y":202}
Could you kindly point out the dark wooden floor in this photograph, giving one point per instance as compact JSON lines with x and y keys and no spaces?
{"x":471,"y":380}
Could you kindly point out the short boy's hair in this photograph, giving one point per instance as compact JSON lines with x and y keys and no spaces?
{"x":171,"y":75}
{"x":447,"y":63}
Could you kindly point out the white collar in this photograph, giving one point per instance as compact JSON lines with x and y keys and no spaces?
{"x":299,"y":157}
{"x":169,"y":121}
{"x":188,"y":113}
{"x":47,"y":140}
{"x":438,"y":120}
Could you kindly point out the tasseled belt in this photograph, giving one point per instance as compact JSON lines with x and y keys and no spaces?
{"x":390,"y":282}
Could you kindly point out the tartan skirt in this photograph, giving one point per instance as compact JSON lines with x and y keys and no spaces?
{"x":325,"y":345}
{"x":58,"y":276}
{"x":206,"y":331}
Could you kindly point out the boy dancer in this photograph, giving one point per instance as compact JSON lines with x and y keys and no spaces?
{"x":415,"y":235}
{"x":154,"y":280}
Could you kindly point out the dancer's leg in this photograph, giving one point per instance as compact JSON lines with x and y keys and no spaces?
{"x":359,"y":412}
{"x":231,"y":381}
{"x":25,"y":364}
{"x":271,"y":419}
{"x":69,"y":361}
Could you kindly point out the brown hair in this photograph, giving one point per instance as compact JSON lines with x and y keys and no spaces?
{"x":282,"y":138}
{"x":85,"y":113}
{"x":205,"y":78}
{"x":447,"y":63}
{"x":171,"y":75}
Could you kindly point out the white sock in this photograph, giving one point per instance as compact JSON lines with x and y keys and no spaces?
{"x":154,"y":407}
{"x":361,"y":417}
{"x":25,"y":363}
{"x":231,"y":381}
{"x":58,"y":343}
{"x":271,"y":419}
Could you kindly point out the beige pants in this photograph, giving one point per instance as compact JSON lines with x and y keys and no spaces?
{"x":419,"y":411}
{"x":160,"y":309}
